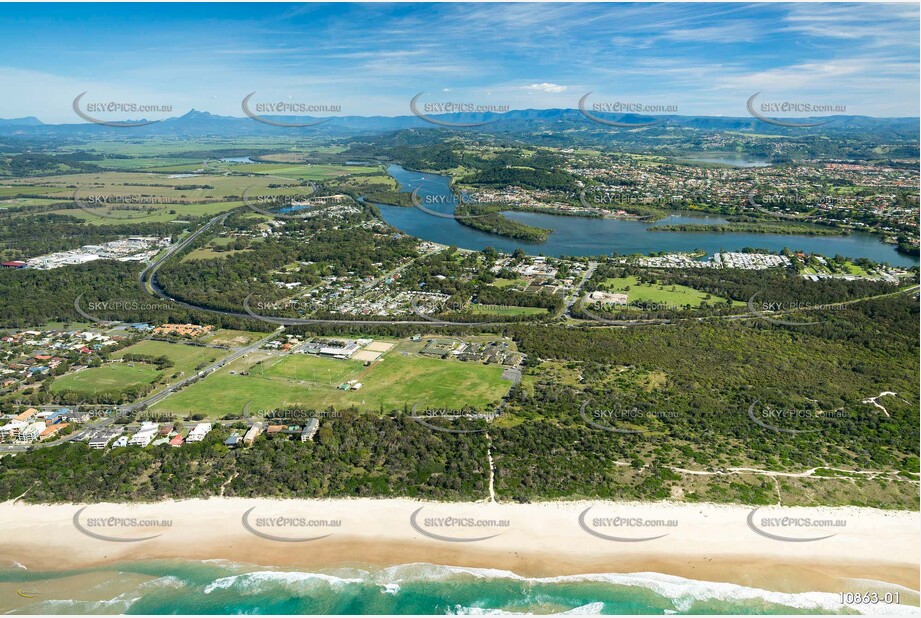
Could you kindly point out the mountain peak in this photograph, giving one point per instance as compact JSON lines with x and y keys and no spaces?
{"x":194,"y":113}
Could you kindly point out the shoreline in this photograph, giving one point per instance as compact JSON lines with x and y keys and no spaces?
{"x":704,"y":542}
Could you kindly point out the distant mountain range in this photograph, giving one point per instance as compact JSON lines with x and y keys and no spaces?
{"x":28,"y":121}
{"x":198,"y":123}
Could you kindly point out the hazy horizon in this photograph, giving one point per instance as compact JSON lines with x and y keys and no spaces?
{"x":372,"y":59}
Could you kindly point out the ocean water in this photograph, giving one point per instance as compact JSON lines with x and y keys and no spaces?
{"x":219,"y":587}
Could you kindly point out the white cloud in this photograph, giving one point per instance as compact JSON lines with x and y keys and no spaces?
{"x":545,"y":87}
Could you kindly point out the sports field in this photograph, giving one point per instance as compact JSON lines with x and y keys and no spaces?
{"x":399,"y":379}
{"x":112,"y":377}
{"x":187,"y":358}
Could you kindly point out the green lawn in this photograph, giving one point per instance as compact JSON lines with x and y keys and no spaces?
{"x":186,"y":357}
{"x":310,"y":369}
{"x":110,"y":377}
{"x":310,"y":382}
{"x":667,"y":294}
{"x":854,"y":269}
{"x":115,"y":376}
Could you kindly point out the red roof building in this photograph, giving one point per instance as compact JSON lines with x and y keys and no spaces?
{"x":50,"y":431}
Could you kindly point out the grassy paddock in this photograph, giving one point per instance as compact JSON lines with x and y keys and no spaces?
{"x":662,"y":294}
{"x":399,"y":379}
{"x":109,"y":377}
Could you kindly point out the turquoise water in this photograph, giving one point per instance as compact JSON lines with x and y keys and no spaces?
{"x":592,"y":236}
{"x":218,"y":587}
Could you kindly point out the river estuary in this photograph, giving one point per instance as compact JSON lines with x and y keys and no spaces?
{"x":578,"y":236}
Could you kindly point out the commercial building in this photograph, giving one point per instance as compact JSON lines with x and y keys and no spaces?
{"x":335,"y":349}
{"x":199,"y":432}
{"x":145,"y":436}
{"x":77,"y":416}
{"x":57,"y":416}
{"x":32,"y":432}
{"x":52,"y":430}
{"x":99,"y":439}
{"x":12,"y":429}
{"x":27,"y":414}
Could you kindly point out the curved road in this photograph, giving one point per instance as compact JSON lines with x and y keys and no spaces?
{"x":148,"y":281}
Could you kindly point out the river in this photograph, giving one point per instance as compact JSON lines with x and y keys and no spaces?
{"x":579,"y":236}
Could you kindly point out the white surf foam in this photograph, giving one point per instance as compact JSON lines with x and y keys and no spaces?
{"x":258,"y":581}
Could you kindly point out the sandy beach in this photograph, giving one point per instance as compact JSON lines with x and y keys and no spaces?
{"x":775,"y":548}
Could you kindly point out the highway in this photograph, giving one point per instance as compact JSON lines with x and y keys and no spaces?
{"x":148,"y":280}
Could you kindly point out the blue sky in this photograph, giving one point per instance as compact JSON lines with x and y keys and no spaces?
{"x":371,"y":59}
